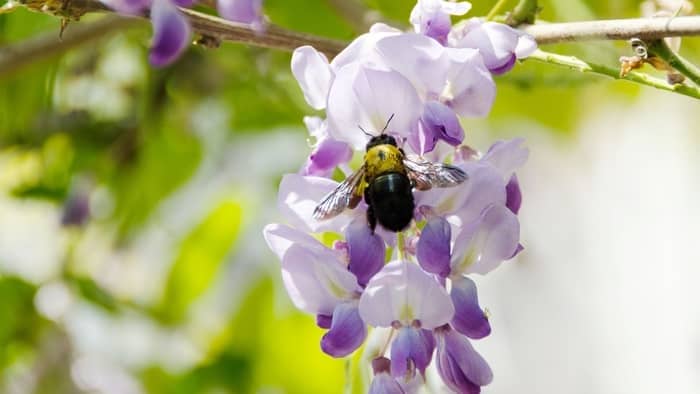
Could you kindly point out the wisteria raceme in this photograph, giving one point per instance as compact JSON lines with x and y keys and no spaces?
{"x":171,"y":29}
{"x":424,"y":81}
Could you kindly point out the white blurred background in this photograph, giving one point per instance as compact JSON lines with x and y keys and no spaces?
{"x":605,"y":298}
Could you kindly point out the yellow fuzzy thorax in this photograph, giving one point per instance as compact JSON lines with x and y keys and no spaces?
{"x":381,"y":159}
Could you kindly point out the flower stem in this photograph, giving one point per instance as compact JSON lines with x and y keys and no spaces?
{"x":386,"y":344}
{"x":524,"y":12}
{"x":348,"y":376}
{"x":496,"y":9}
{"x":661,"y":49}
{"x":577,"y":64}
{"x":646,"y":29}
{"x":401,"y":245}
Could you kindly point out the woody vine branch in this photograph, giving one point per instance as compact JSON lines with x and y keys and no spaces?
{"x":215,"y":29}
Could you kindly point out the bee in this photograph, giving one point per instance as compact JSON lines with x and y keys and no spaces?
{"x":386,"y":180}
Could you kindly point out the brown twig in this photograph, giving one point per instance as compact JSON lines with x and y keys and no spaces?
{"x":273,"y":37}
{"x":44,"y":46}
{"x":616,"y":29}
{"x":212,"y":27}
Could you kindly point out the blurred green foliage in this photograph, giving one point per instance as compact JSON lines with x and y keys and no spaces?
{"x":20,"y":324}
{"x":201,"y":254}
{"x":100,"y":113}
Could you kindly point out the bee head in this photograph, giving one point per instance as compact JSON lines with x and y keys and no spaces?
{"x":381,"y":139}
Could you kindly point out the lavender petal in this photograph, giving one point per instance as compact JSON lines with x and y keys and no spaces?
{"x":171,"y":33}
{"x":423,"y":140}
{"x":499,"y":44}
{"x":313,"y":73}
{"x":505,"y":67}
{"x":483,"y":244}
{"x":365,"y":249}
{"x":366,"y":95}
{"x":443,"y":122}
{"x":433,"y":248}
{"x":461,"y":368}
{"x":473,"y":88}
{"x":514,"y":197}
{"x":507,"y":156}
{"x":242,"y":11}
{"x":432,"y":17}
{"x":316,"y":280}
{"x":128,"y":7}
{"x":469,"y":319}
{"x":324,"y":321}
{"x":469,"y":361}
{"x":328,"y":154}
{"x":409,"y":345}
{"x":410,"y":54}
{"x":347,"y":332}
{"x":298,"y":196}
{"x":403,"y":292}
{"x":384,"y":383}
{"x":183,"y":3}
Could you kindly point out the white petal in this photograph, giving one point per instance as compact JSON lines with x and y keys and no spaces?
{"x":311,"y":69}
{"x":503,"y":38}
{"x":316,"y":280}
{"x":482,"y":245}
{"x":316,"y":126}
{"x":411,"y":55}
{"x":403,"y":292}
{"x":526,"y":46}
{"x":280,"y":238}
{"x":484,"y":187}
{"x":363,"y":48}
{"x":383,"y":28}
{"x":367,"y":97}
{"x":298,"y":197}
{"x":472,"y":88}
{"x":458,"y":8}
{"x":507,"y":156}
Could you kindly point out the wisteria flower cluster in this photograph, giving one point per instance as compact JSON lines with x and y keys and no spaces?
{"x":171,"y":29}
{"x":415,"y":283}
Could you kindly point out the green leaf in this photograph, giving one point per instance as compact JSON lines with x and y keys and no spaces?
{"x":397,"y":11}
{"x":20,"y":322}
{"x":165,"y":161}
{"x":92,"y":292}
{"x":228,"y":373}
{"x":57,"y":155}
{"x":200,"y":257}
{"x":284,"y":348}
{"x":310,"y":16}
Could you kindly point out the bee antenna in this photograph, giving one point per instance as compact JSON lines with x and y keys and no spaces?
{"x":387,"y":123}
{"x":363,"y":130}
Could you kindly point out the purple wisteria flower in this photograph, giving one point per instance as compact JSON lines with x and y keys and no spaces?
{"x":328,"y":153}
{"x":172,"y":31}
{"x":432,"y":17}
{"x":242,"y":11}
{"x":499,"y":44}
{"x":417,"y":283}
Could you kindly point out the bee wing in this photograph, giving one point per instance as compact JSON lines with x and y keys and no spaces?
{"x":343,"y":196}
{"x":426,"y":174}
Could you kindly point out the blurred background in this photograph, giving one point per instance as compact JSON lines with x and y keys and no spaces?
{"x":132,"y":202}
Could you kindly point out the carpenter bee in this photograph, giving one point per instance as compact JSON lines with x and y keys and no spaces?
{"x":386,"y":180}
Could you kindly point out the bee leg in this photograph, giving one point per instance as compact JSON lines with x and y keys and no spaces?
{"x":371,"y":219}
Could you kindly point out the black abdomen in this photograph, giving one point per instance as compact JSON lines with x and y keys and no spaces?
{"x":390,"y":201}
